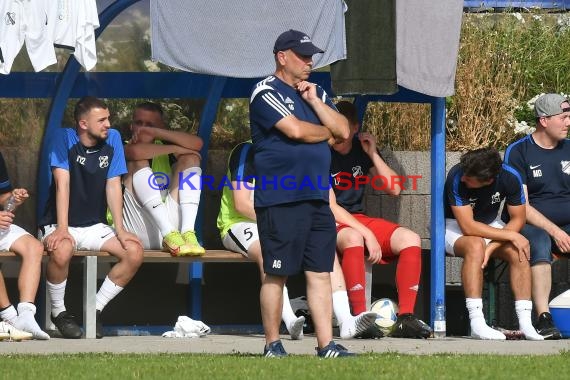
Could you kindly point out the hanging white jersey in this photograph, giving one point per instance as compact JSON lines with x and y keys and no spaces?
{"x":85,"y":50}
{"x":25,"y":21}
{"x":72,"y":26}
{"x":61,"y":23}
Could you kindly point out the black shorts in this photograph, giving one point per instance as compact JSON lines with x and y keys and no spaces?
{"x":295,"y":237}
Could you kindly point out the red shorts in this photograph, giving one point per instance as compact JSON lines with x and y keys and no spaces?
{"x":382,"y":229}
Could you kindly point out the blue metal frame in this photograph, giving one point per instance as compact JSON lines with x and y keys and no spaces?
{"x":437,"y":259}
{"x":195,"y":270}
{"x":72,"y":84}
{"x":507,"y":4}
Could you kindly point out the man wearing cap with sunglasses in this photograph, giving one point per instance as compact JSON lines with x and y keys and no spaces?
{"x":292,"y":122}
{"x":543,"y":160}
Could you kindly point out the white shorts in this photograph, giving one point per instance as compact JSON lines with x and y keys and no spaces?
{"x":240,"y":237}
{"x":453,"y":232}
{"x":15,"y":232}
{"x":89,"y":238}
{"x":138,"y":221}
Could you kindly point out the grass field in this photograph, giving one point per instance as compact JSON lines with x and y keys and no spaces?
{"x":366,"y":366}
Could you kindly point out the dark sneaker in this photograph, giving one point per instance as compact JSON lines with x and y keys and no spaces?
{"x":333,"y":350}
{"x":65,"y":323}
{"x":98,"y":325}
{"x":545,"y":327}
{"x":372,"y":332}
{"x":274,"y":350}
{"x":409,"y":326}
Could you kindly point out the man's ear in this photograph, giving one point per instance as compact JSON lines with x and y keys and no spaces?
{"x":82,"y":124}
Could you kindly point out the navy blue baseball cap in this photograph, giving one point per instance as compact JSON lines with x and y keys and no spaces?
{"x":297,"y":41}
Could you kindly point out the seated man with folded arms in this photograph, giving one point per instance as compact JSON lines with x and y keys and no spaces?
{"x":20,"y":323}
{"x":238,"y":229}
{"x":162,"y":186}
{"x":474,"y":190}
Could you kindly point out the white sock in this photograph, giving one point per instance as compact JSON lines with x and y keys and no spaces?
{"x":293,"y":323}
{"x":106,"y":293}
{"x":524,"y":310}
{"x":348,"y":324}
{"x":341,"y":307}
{"x":27,"y":322}
{"x":189,"y":198}
{"x":479,"y":328}
{"x":57,"y":295}
{"x":287,"y":313}
{"x":151,"y":200}
{"x":9,"y":314}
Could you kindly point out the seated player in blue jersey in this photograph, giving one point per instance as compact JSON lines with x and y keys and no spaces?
{"x":87,"y":163}
{"x":158,"y":207}
{"x":16,"y":239}
{"x":543,"y":161}
{"x":237,"y":223}
{"x":474,"y":190}
{"x":292,"y":121}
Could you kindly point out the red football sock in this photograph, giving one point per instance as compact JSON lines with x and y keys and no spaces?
{"x":408,"y":274}
{"x":354,"y":277}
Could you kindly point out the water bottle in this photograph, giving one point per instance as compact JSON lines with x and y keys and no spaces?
{"x":10,"y":206}
{"x":439,"y":320}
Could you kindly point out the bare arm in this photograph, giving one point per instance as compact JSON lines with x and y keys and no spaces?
{"x":61,"y":179}
{"x":182,"y":139}
{"x":142,"y":145}
{"x":4,"y":198}
{"x":535,"y":217}
{"x":147,"y":151}
{"x":114,"y":196}
{"x":303,"y":131}
{"x":20,"y":195}
{"x":243,"y":201}
{"x":6,"y":217}
{"x":517,"y":220}
{"x":334,"y":121}
{"x":471,"y":227}
{"x":345,"y":217}
{"x":380,"y":167}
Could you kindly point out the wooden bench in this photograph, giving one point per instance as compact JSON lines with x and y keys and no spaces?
{"x":91,"y":259}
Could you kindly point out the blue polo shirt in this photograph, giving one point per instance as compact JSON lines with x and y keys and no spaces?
{"x":546,"y":173}
{"x":89,"y":168}
{"x":486,"y":200}
{"x":287,"y":170}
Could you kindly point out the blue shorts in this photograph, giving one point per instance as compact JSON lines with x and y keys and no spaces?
{"x":541,"y":244}
{"x":295,"y":237}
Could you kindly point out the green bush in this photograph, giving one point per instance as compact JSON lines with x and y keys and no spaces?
{"x":504,"y":60}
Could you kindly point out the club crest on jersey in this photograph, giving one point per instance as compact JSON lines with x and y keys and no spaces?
{"x":565,"y":167}
{"x":103,"y":161}
{"x":10,"y":18}
{"x":290,"y":103}
{"x":357,"y":171}
{"x":495,"y":198}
